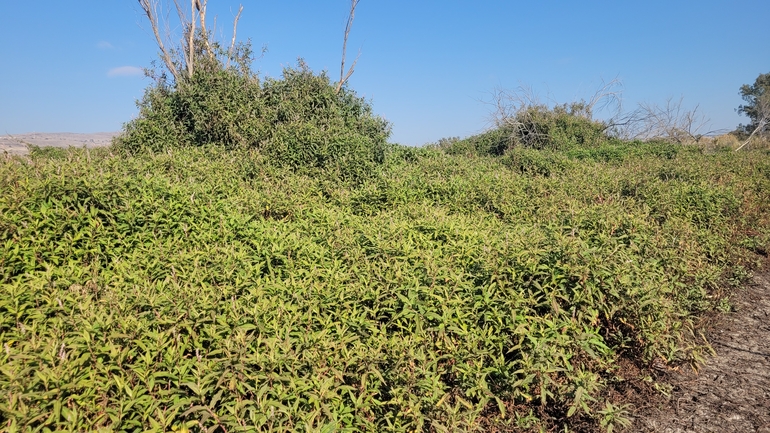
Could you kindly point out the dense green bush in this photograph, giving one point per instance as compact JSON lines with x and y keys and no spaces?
{"x":563,"y":127}
{"x":615,"y":151}
{"x":533,"y":161}
{"x":208,"y":288}
{"x":309,"y":124}
{"x":490,"y":143}
{"x":298,"y":120}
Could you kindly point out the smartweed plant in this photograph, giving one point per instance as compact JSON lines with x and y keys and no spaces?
{"x":211,"y":288}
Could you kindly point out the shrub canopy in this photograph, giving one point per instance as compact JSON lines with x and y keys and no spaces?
{"x":299,"y":120}
{"x":563,"y":127}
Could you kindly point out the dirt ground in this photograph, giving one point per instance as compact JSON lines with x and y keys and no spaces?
{"x":731,"y":392}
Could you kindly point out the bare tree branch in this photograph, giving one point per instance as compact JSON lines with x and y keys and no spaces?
{"x":201,"y":7}
{"x":232,"y":43}
{"x":188,"y":42}
{"x":508,"y":103}
{"x":150,"y":8}
{"x":191,"y":40}
{"x":182,"y":56}
{"x":762,"y":123}
{"x":763,"y":118}
{"x":519,"y":109}
{"x":670,"y":121}
{"x":607,"y":96}
{"x":343,"y":76}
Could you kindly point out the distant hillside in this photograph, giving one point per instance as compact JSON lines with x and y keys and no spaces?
{"x":17,"y":143}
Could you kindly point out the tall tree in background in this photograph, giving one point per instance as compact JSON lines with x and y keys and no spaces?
{"x":757,"y":107}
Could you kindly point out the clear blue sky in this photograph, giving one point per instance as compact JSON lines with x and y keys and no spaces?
{"x":427,"y":65}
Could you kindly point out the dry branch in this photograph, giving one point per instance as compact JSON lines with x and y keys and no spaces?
{"x":150,"y":8}
{"x":343,"y":76}
{"x":191,"y":41}
{"x":670,"y":122}
{"x":232,"y":43}
{"x":763,"y":118}
{"x":201,"y":7}
{"x":182,"y":57}
{"x":607,"y":96}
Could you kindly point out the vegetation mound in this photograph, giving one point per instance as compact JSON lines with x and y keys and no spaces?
{"x":208,"y":288}
{"x":300,"y":120}
{"x":560,"y":128}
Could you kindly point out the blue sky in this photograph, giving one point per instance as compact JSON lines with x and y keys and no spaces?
{"x":427,"y":66}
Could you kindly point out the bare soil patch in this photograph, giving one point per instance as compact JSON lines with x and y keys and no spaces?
{"x":731,"y":392}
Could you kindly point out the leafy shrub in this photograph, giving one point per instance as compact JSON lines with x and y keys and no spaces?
{"x":491,"y":143}
{"x":560,"y":128}
{"x":604,"y":153}
{"x":299,"y":120}
{"x":398,"y":153}
{"x":309,"y":124}
{"x":47,"y":152}
{"x":563,"y":127}
{"x":615,"y":151}
{"x":534,"y":162}
{"x":210,"y":289}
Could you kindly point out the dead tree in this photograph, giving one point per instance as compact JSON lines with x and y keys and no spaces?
{"x":184,"y":67}
{"x":668,"y":122}
{"x":150,"y":8}
{"x":343,"y":76}
{"x":508,"y":104}
{"x":230,"y":51}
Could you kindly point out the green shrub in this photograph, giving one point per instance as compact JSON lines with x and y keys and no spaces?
{"x":616,"y":151}
{"x":491,"y":143}
{"x":560,"y":128}
{"x":309,"y":124}
{"x":298,"y":120}
{"x":47,"y":152}
{"x":534,"y":162}
{"x":209,"y":289}
{"x":563,"y":127}
{"x":398,"y":153}
{"x":605,"y":153}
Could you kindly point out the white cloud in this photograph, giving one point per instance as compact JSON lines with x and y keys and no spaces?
{"x":125,"y":71}
{"x":104,"y":45}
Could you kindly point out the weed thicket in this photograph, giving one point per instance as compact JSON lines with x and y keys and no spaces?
{"x":210,"y":287}
{"x":252,"y":255}
{"x":298,"y":120}
{"x":537,"y":127}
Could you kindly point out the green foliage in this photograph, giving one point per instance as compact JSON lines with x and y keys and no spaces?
{"x":613,"y":416}
{"x":563,"y":127}
{"x":533,"y":161}
{"x":490,"y":143}
{"x":47,"y":152}
{"x":616,"y":151}
{"x":309,"y":124}
{"x":757,"y":98}
{"x":211,"y":289}
{"x":559,"y":128}
{"x":298,"y":121}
